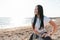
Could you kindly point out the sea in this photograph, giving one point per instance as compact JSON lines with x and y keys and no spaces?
{"x":7,"y":22}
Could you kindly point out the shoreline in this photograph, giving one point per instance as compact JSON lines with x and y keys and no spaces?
{"x":24,"y":32}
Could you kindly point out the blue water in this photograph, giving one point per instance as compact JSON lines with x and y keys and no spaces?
{"x":4,"y":20}
{"x":7,"y":22}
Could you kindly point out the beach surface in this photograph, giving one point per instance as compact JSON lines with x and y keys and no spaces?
{"x":23,"y":33}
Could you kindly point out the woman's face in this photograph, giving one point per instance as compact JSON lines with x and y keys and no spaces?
{"x":36,"y":10}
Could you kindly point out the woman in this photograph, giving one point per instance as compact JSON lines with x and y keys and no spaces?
{"x":39,"y":23}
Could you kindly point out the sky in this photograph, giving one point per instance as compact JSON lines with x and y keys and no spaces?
{"x":17,"y":10}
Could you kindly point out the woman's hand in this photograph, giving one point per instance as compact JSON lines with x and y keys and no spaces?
{"x":45,"y":35}
{"x":50,"y":33}
{"x":54,"y":26}
{"x":35,"y":31}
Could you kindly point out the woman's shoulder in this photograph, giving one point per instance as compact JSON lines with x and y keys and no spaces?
{"x":47,"y":19}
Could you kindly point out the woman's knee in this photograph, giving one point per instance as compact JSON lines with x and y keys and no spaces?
{"x":47,"y":38}
{"x":31,"y":37}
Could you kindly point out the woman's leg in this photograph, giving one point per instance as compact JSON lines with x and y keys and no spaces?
{"x":47,"y":38}
{"x":31,"y":37}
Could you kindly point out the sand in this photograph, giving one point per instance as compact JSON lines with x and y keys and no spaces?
{"x":23,"y":33}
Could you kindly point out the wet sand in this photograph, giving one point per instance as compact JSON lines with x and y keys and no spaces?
{"x":23,"y":33}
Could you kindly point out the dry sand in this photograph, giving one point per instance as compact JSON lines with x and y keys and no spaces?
{"x":25,"y":32}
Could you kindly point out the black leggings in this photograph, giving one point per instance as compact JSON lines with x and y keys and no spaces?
{"x":31,"y":37}
{"x":45,"y":38}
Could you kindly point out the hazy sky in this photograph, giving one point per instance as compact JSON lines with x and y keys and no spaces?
{"x":20,"y":9}
{"x":25,"y":8}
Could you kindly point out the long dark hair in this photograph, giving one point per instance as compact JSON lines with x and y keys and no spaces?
{"x":41,"y":17}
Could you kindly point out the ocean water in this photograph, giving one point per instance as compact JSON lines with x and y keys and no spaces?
{"x":8,"y":22}
{"x":4,"y":21}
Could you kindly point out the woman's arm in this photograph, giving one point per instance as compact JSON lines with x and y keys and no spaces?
{"x":34,"y":30}
{"x":54,"y":27}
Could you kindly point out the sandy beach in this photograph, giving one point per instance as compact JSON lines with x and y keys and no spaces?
{"x":23,"y":33}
